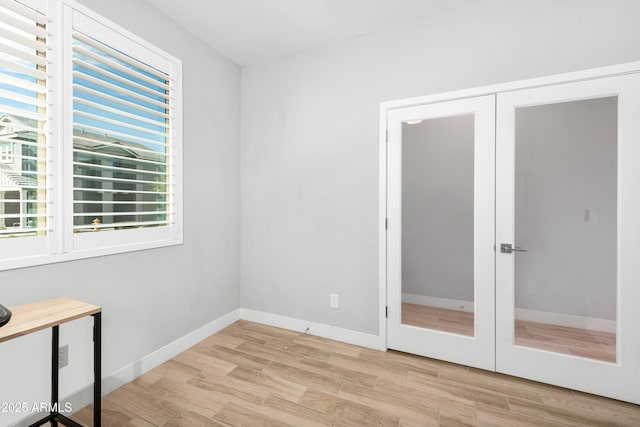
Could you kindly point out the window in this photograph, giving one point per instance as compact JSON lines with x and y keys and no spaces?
{"x":98,"y":172}
{"x":124,"y":147}
{"x":6,"y":152}
{"x":23,"y":134}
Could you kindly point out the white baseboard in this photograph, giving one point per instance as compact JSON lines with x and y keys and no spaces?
{"x":349,"y":336}
{"x":111,"y":382}
{"x":446,"y":303}
{"x":568,"y":320}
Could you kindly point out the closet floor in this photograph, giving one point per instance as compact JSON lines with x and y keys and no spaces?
{"x":561,"y":339}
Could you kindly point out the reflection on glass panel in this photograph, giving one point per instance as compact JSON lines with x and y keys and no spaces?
{"x":437,"y":224}
{"x":565,"y":217}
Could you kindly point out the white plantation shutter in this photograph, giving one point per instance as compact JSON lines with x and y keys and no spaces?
{"x":125,"y":150}
{"x":90,"y":137}
{"x":24,"y":137}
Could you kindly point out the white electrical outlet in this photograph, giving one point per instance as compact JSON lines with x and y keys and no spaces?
{"x":63,"y":356}
{"x":333,"y":301}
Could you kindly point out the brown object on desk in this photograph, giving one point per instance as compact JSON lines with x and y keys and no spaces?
{"x":52,"y":313}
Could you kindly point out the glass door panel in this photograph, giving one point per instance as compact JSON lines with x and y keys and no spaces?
{"x":568,"y":235}
{"x":566,"y":220}
{"x":437,"y":222}
{"x":440,"y":236}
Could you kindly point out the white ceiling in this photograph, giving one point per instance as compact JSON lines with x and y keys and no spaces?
{"x":251,"y":31}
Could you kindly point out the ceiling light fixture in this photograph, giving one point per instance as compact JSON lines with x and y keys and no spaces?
{"x":413,"y":122}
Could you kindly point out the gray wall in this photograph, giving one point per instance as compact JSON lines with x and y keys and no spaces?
{"x":437,"y":208}
{"x":310,"y":136}
{"x":566,"y":179}
{"x":199,"y":280}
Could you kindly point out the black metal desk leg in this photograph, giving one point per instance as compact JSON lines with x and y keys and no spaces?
{"x":55,"y":342}
{"x":97,"y":369}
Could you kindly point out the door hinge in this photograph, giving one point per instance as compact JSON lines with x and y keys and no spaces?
{"x":386,"y":223}
{"x":386,"y":311}
{"x":386,"y":136}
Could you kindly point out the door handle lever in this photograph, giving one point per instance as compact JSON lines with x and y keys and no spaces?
{"x":508,"y":248}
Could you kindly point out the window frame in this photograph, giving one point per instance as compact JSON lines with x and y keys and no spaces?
{"x":61,"y":243}
{"x":6,"y":152}
{"x":81,"y":19}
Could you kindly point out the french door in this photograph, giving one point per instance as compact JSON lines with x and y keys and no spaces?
{"x":440,"y":249}
{"x":513,"y":236}
{"x":568,"y":174}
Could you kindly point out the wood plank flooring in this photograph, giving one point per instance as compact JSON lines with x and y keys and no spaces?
{"x":440,"y":319}
{"x":561,"y":339}
{"x":255,"y":375}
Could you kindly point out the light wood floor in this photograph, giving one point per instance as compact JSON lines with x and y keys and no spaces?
{"x":254,"y":375}
{"x":440,"y":319}
{"x":561,"y":339}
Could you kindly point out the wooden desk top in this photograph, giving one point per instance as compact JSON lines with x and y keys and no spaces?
{"x":40,"y":315}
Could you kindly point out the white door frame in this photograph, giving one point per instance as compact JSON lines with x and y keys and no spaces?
{"x":613,"y":379}
{"x":386,"y":107}
{"x":477,"y":350}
